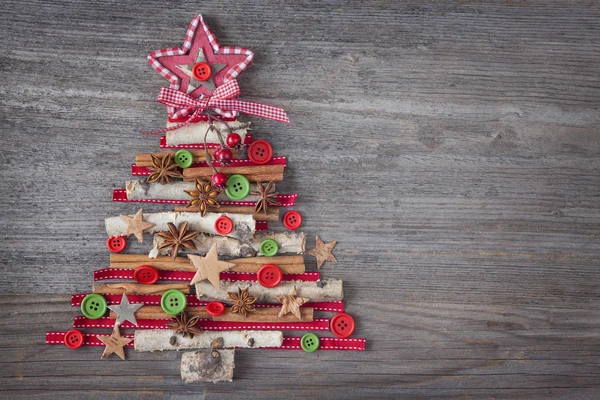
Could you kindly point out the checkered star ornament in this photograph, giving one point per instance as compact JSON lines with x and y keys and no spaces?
{"x":200,"y":65}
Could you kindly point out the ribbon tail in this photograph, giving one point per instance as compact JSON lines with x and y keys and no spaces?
{"x":247,"y":107}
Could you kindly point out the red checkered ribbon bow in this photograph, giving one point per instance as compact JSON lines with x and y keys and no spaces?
{"x":222,"y":100}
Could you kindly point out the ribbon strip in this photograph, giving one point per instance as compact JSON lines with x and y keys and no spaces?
{"x":220,"y":101}
{"x":192,"y":301}
{"x":186,"y":276}
{"x":318,"y":324}
{"x":285,"y":200}
{"x":289,"y":342}
{"x":163,"y":144}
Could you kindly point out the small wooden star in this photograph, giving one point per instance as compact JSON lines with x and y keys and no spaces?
{"x":136,"y":225}
{"x":291,"y":303}
{"x":114,"y":343}
{"x":323,"y":252}
{"x":209,"y":267}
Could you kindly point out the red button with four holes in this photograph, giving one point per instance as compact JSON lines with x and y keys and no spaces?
{"x":215,"y":308}
{"x":74,"y":339}
{"x":223,"y":225}
{"x":342,"y":325}
{"x":145,"y":274}
{"x":201,"y":71}
{"x":260,"y":152}
{"x":292,"y":220}
{"x":269,"y":275}
{"x":116,"y":244}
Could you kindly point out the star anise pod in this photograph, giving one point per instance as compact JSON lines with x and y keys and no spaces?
{"x":204,"y":196}
{"x":267,"y":197}
{"x":164,"y":168}
{"x":186,"y":326}
{"x":242,"y":302}
{"x":177,"y":237}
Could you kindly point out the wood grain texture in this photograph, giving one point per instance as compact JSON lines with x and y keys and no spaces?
{"x":451,"y":148}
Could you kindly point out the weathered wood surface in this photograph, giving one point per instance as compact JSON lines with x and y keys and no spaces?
{"x":452,"y":149}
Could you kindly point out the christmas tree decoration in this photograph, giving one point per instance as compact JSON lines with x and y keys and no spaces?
{"x":224,"y":270}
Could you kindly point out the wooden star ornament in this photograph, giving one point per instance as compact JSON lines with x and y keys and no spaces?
{"x":323,"y":252}
{"x":114,"y":344}
{"x":291,"y":304}
{"x":209,"y":267}
{"x":136,"y":225}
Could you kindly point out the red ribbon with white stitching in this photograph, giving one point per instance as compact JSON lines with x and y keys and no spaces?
{"x":223,"y":98}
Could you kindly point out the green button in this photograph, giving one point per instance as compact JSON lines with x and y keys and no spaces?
{"x":269,"y":247}
{"x":238,"y":187}
{"x":93,"y":306}
{"x":309,"y":342}
{"x":173,"y":302}
{"x":184,"y":158}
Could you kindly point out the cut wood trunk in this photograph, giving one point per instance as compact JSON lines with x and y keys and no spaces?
{"x":243,"y":230}
{"x":140,"y":190}
{"x":266,"y":315}
{"x":159,"y":340}
{"x":145,"y":159}
{"x":287,"y":264}
{"x":156,"y":312}
{"x":209,"y":365}
{"x":263,"y":173}
{"x":325,"y":290}
{"x":136,"y":288}
{"x":272,"y":214}
{"x":194,"y":133}
{"x":289,"y":242}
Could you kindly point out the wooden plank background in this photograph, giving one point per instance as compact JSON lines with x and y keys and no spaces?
{"x":452,"y":149}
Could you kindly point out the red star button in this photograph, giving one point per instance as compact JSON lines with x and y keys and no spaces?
{"x":200,"y":46}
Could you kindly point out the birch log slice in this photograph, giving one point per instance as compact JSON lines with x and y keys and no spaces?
{"x":289,"y":242}
{"x":210,"y":365}
{"x":159,"y":340}
{"x":194,"y":133}
{"x":244,"y":225}
{"x":325,"y":290}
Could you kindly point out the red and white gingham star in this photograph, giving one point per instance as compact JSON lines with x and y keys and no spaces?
{"x":165,"y":62}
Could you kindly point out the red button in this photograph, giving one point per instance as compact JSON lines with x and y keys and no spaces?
{"x":292,"y":220}
{"x":116,"y":244}
{"x":342,"y":325}
{"x":215,"y":308}
{"x":260,"y":152}
{"x":201,"y":71}
{"x":223,"y":225}
{"x":145,"y":274}
{"x":74,"y":339}
{"x":269,"y":275}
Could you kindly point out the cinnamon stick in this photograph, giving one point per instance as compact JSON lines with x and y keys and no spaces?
{"x":145,"y":159}
{"x":156,"y":312}
{"x":266,"y":315}
{"x":263,"y":173}
{"x":271,"y":215}
{"x":136,"y":288}
{"x":287,"y":264}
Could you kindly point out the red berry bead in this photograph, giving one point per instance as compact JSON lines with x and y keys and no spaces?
{"x":233,"y":140}
{"x":219,"y":180}
{"x":215,"y":154}
{"x":225,"y":156}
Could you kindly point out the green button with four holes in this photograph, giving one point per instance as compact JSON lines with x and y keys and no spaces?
{"x":238,"y":187}
{"x":269,"y":247}
{"x":184,"y":158}
{"x":173,"y":302}
{"x":93,"y":306}
{"x":309,"y":342}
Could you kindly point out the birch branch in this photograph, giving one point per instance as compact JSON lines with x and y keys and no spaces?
{"x":159,"y":340}
{"x":244,"y":224}
{"x":324,"y":290}
{"x":210,"y":365}
{"x":140,"y":190}
{"x":136,"y":288}
{"x":194,"y":133}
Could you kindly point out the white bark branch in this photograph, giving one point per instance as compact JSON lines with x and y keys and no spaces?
{"x":160,"y":339}
{"x":194,"y":133}
{"x":214,"y":366}
{"x":140,"y":190}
